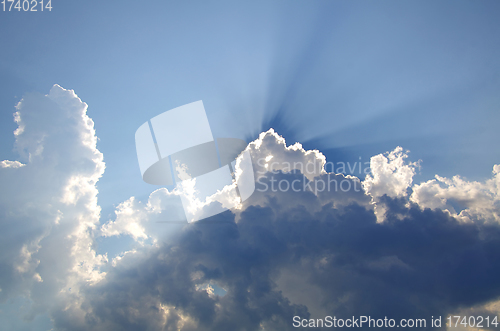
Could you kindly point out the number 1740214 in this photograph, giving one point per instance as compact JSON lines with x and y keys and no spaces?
{"x":26,"y":5}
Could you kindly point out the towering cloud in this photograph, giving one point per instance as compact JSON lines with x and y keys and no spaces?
{"x":49,"y":205}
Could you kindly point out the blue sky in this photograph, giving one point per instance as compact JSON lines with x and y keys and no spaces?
{"x":349,"y":78}
{"x":352,"y":79}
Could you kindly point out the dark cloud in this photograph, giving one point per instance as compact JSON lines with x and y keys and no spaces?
{"x":417,"y":264}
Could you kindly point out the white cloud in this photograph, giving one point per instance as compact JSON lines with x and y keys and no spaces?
{"x":11,"y":164}
{"x":273,"y":159}
{"x":389,"y":174}
{"x":50,"y":203}
{"x":129,"y":216}
{"x":465,"y":200}
{"x":270,"y":149}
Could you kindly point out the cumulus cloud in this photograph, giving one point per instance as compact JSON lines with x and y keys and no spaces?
{"x":307,"y":253}
{"x":389,"y":174}
{"x":465,"y":200}
{"x":11,"y":164}
{"x":307,"y":243}
{"x":49,"y":203}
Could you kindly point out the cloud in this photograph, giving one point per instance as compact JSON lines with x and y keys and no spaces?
{"x":277,"y":262}
{"x":389,"y":174}
{"x":467,"y":201}
{"x":49,"y":204}
{"x":305,"y":253}
{"x":128,"y":217}
{"x":11,"y":164}
{"x":307,"y":243}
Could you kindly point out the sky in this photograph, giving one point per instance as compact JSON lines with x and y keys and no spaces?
{"x":410,"y":90}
